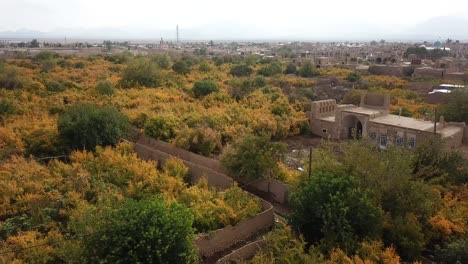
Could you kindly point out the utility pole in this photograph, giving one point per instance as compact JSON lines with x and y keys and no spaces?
{"x":435,"y":121}
{"x":310,"y":162}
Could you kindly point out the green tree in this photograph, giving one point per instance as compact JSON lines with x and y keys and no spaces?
{"x":141,"y":72}
{"x":146,"y":231}
{"x":241,"y":70}
{"x":181,"y":67}
{"x":163,"y":60}
{"x":253,"y":157}
{"x":353,"y":76}
{"x":331,"y":209}
{"x":105,"y":88}
{"x":34,"y":43}
{"x":162,"y":127}
{"x":454,"y":251}
{"x":7,"y":107}
{"x":308,"y":70}
{"x":270,"y":69}
{"x":291,"y":69}
{"x":9,"y":78}
{"x":204,"y":88}
{"x":204,"y":66}
{"x":84,"y":126}
{"x":456,"y":107}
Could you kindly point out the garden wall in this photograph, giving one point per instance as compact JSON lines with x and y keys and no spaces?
{"x":277,"y":190}
{"x":214,"y":178}
{"x":183,"y":154}
{"x":245,"y":252}
{"x":222,"y":239}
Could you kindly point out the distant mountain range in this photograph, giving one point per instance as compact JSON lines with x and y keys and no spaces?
{"x":433,"y":29}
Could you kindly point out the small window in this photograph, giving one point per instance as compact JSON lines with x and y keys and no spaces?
{"x":399,"y":140}
{"x":411,"y":142}
{"x":383,"y":141}
{"x":324,"y":130}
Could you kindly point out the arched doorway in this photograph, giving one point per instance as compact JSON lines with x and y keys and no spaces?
{"x":358,"y":130}
{"x":353,"y":127}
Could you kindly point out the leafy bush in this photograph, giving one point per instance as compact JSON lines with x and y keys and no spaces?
{"x":204,"y":67}
{"x":146,"y":231}
{"x":253,"y":157}
{"x":105,"y":88}
{"x":308,"y":70}
{"x":271,"y":69}
{"x":330,"y":208}
{"x":181,"y":67}
{"x":9,"y":78}
{"x":353,"y":76}
{"x":53,"y":86}
{"x":456,"y":107}
{"x":80,"y":65}
{"x":161,"y":127}
{"x":141,"y":72}
{"x":162,"y":60}
{"x":204,"y":88}
{"x":45,"y":55}
{"x":291,"y":69}
{"x":84,"y":126}
{"x":241,"y":70}
{"x":7,"y":107}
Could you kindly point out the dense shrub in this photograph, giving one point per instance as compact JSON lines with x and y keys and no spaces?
{"x":7,"y":107}
{"x":203,"y":88}
{"x":181,"y":67}
{"x":291,"y":69}
{"x":241,"y":70}
{"x":308,"y":70}
{"x":9,"y":78}
{"x":162,"y":60}
{"x":79,"y":65}
{"x":253,"y":157}
{"x":141,"y":72}
{"x":84,"y":126}
{"x":353,"y":76}
{"x":53,"y":86}
{"x":105,"y":88}
{"x":146,"y":231}
{"x":271,"y":69}
{"x":330,"y":208}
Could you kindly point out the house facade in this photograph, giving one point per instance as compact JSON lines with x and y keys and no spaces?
{"x":371,"y":119}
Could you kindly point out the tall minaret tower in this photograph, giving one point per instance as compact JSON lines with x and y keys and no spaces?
{"x":177,"y":33}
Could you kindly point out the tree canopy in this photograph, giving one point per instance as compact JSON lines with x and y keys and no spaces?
{"x":253,"y":157}
{"x":84,"y":126}
{"x":145,"y":231}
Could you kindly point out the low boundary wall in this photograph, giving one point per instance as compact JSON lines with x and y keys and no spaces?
{"x":276,"y":190}
{"x":222,"y":239}
{"x":245,"y":252}
{"x":215,"y":179}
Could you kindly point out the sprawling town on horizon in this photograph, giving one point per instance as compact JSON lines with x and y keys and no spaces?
{"x":252,"y":152}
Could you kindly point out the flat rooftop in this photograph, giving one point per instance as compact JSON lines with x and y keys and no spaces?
{"x":363,"y":111}
{"x":404,"y":122}
{"x":451,"y":131}
{"x":328,"y":118}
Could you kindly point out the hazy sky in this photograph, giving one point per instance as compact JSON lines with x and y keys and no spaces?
{"x":268,"y":18}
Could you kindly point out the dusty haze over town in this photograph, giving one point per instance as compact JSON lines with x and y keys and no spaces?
{"x":232,"y":20}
